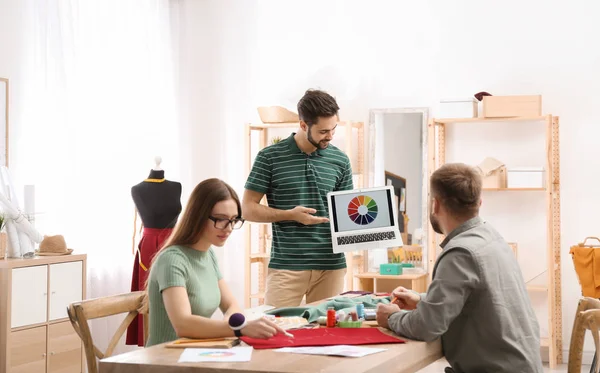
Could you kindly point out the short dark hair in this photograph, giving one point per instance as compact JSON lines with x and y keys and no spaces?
{"x":458,"y":187}
{"x":315,"y":104}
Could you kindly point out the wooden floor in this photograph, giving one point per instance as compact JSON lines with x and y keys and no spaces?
{"x":438,"y":367}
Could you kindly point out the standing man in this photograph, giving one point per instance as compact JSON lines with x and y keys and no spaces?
{"x":296,"y":174}
{"x":477,"y":301}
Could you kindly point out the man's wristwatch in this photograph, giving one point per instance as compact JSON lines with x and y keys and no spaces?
{"x":237,"y":322}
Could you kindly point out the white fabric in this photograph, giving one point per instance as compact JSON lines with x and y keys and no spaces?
{"x":102,"y":104}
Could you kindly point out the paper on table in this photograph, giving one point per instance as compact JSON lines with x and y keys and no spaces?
{"x":341,"y":350}
{"x":215,"y":355}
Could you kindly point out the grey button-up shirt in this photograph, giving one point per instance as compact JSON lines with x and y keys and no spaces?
{"x":478,"y":304}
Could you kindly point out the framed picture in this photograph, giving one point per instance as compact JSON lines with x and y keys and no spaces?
{"x":399,"y":184}
{"x":4,"y":122}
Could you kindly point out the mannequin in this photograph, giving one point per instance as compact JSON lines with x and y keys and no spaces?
{"x":158,"y":202}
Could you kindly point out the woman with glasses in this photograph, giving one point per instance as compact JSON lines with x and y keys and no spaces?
{"x":185,"y":286}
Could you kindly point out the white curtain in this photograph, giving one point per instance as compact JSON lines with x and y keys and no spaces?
{"x":101,"y":103}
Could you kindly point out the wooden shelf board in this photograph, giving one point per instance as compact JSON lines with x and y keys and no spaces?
{"x":538,"y":288}
{"x":261,"y":126}
{"x":439,"y":121}
{"x":514,"y":189}
{"x":260,"y":295}
{"x":411,"y":276}
{"x":259,"y":257}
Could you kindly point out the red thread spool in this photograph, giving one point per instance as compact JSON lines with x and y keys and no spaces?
{"x":330,"y":317}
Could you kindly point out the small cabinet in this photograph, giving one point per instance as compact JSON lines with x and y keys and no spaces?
{"x":65,"y":288}
{"x":64,"y":349}
{"x":29,"y":296}
{"x":28,"y":350}
{"x":35,"y":333}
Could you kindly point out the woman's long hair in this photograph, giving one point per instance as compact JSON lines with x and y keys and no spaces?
{"x":205,"y":196}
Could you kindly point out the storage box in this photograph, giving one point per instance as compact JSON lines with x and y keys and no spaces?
{"x":512,"y":106}
{"x":493,"y":173}
{"x":390,"y":269}
{"x":525,"y":177}
{"x":458,"y":108}
{"x":496,"y":179}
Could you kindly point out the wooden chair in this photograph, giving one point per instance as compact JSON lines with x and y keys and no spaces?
{"x":587,"y":317}
{"x":133,"y":303}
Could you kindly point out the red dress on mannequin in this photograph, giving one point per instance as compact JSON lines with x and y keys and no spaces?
{"x":158,"y":202}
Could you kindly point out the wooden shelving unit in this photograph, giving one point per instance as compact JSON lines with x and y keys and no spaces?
{"x":378,"y":283}
{"x":437,"y":157}
{"x":259,"y":254}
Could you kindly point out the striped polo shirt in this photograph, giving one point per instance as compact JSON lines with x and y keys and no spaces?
{"x":290,"y":178}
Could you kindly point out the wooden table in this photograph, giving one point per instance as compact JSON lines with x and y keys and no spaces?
{"x":402,"y":358}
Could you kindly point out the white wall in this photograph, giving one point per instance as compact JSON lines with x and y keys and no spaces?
{"x":13,"y":45}
{"x":399,"y":54}
{"x":402,"y":156}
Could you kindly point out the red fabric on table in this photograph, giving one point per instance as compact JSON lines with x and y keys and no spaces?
{"x":324,"y":337}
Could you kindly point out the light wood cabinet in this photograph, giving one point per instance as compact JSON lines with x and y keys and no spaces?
{"x":35,"y":333}
{"x":64,"y":349}
{"x":27,"y":350}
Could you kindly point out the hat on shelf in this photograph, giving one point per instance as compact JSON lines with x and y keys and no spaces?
{"x":54,"y":245}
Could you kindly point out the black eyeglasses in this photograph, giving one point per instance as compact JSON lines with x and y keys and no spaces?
{"x":221,"y":223}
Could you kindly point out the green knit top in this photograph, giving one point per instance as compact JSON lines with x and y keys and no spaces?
{"x":196,"y":271}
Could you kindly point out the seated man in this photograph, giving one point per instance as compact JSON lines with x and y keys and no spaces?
{"x":477,"y":301}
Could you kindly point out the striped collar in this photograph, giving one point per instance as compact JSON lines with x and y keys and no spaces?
{"x":291,"y":143}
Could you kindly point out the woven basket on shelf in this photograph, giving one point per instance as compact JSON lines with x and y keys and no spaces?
{"x":276,"y":114}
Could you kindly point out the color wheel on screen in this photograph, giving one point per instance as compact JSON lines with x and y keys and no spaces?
{"x":362,"y":210}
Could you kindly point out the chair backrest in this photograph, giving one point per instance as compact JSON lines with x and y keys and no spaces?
{"x":587,"y":317}
{"x":80,"y":313}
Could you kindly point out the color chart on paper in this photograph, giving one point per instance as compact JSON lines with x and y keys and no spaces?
{"x":362,"y":210}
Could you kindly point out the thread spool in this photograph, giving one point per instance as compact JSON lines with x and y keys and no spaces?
{"x":331,"y":317}
{"x":360,"y":310}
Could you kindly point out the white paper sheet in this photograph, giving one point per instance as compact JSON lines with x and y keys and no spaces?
{"x":215,"y":355}
{"x":341,"y":350}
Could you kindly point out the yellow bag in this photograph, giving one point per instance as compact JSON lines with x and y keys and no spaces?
{"x":586,"y":259}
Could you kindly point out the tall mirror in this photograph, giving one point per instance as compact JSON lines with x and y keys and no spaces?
{"x":398,"y":157}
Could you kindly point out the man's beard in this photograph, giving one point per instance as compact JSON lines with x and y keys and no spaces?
{"x":319,"y":145}
{"x":435,"y":224}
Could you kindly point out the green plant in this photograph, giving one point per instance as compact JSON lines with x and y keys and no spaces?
{"x":276,"y":139}
{"x":396,"y":259}
{"x":2,"y":221}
